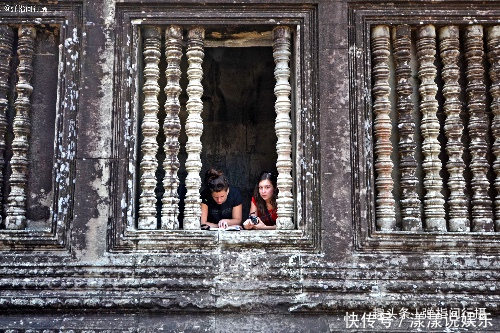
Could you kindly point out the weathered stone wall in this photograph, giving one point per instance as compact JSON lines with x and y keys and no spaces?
{"x":93,"y":272}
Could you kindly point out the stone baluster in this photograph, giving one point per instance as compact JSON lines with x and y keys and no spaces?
{"x":283,"y":126}
{"x":172,"y":128}
{"x":494,"y":58}
{"x":482,"y":213}
{"x":16,"y":211}
{"x":6,"y":40}
{"x":450,"y":51}
{"x":149,"y":147}
{"x":382,"y":127}
{"x":433,"y":183}
{"x":194,"y":128}
{"x":410,"y":202}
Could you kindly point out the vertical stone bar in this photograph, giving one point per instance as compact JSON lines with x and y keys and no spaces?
{"x":450,"y":51}
{"x":6,"y":40}
{"x":194,"y":128}
{"x":482,"y":212}
{"x":149,"y":147}
{"x":16,"y":211}
{"x":494,"y":58}
{"x":283,"y":126}
{"x":382,"y":127}
{"x":410,"y":202}
{"x":172,"y":128}
{"x":433,"y":183}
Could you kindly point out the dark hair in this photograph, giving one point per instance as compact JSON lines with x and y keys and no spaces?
{"x":261,"y":203}
{"x":215,"y":181}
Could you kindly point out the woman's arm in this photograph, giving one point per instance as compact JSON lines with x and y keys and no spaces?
{"x":235,"y":217}
{"x":262,"y":226}
{"x":204,"y":213}
{"x":204,"y":216}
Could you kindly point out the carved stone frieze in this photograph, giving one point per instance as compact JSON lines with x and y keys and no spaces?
{"x":449,"y":47}
{"x":16,"y":211}
{"x":482,"y":212}
{"x":194,"y":127}
{"x":410,"y":202}
{"x":494,"y":58}
{"x":433,"y":183}
{"x":382,"y":127}
{"x":172,"y":128}
{"x":6,"y":41}
{"x":149,"y":126}
{"x":283,"y":126}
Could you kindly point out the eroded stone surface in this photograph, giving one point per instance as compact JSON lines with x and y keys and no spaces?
{"x":94,"y":271}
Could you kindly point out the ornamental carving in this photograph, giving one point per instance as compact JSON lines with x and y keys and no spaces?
{"x":149,"y":127}
{"x":283,"y":127}
{"x":194,"y":128}
{"x":382,"y":127}
{"x":482,"y":212}
{"x":449,"y":47}
{"x":172,"y":128}
{"x":6,"y":40}
{"x":410,"y":201}
{"x":16,"y":211}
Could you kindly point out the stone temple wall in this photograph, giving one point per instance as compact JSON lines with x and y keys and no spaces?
{"x":380,"y":117}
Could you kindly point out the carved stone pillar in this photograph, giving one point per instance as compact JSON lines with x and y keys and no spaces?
{"x":410,"y":202}
{"x":16,"y":212}
{"x":494,"y":58}
{"x":172,"y":128}
{"x":482,"y":214}
{"x":433,"y":183}
{"x":194,"y":128}
{"x":450,"y":51}
{"x":149,"y":147}
{"x":283,"y":126}
{"x":6,"y":40}
{"x":382,"y":127}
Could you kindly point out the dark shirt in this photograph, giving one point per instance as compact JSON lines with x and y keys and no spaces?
{"x":225,"y":211}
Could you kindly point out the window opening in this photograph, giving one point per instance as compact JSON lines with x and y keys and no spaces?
{"x":211,"y":97}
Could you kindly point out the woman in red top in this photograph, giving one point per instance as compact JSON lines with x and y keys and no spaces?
{"x":263,"y":209}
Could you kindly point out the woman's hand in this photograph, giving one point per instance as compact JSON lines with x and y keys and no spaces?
{"x":259,"y":225}
{"x":223,"y":224}
{"x":248,"y":225}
